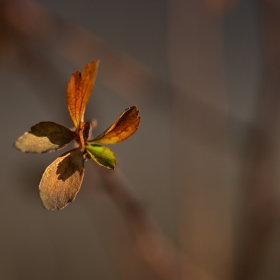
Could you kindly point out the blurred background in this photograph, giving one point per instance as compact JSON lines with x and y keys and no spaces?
{"x":196,"y":193}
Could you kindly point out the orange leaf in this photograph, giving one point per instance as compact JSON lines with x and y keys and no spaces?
{"x":126,"y":124}
{"x":62,"y":180}
{"x":79,"y":90}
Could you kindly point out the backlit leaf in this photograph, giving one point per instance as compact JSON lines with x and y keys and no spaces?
{"x":79,"y":90}
{"x":126,"y":124}
{"x":62,"y":180}
{"x":44,"y":137}
{"x":102,"y":155}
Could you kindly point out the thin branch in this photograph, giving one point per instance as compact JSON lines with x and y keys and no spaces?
{"x":152,"y":247}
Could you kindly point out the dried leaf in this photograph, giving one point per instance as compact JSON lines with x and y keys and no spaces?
{"x":62,"y":180}
{"x":102,"y":155}
{"x":87,"y":130}
{"x":126,"y":124}
{"x":44,"y":137}
{"x":79,"y":90}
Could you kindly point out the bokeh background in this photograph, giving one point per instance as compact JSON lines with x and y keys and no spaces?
{"x":196,"y":193}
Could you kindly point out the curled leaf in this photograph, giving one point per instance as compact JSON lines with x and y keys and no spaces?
{"x":44,"y":137}
{"x":62,"y":180}
{"x":87,"y":130}
{"x":102,"y":155}
{"x":126,"y":124}
{"x":79,"y":90}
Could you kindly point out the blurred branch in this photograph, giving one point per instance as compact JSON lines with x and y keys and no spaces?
{"x":261,"y":207}
{"x":151,"y":246}
{"x":219,"y":7}
{"x":118,"y":71}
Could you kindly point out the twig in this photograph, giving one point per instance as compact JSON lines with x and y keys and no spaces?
{"x":161,"y":256}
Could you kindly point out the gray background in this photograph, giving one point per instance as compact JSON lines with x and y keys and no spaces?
{"x":204,"y":161}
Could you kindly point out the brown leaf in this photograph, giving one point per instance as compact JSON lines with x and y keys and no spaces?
{"x":126,"y":124}
{"x":44,"y":137}
{"x":79,"y":90}
{"x":62,"y":180}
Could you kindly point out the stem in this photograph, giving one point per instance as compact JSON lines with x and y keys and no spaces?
{"x":152,"y":247}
